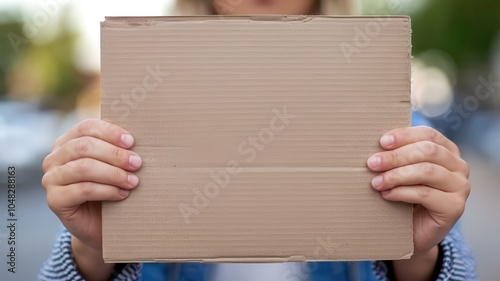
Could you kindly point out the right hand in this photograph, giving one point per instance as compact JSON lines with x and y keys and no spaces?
{"x":89,"y":164}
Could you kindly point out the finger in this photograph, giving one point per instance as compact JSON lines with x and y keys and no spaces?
{"x":403,"y":136}
{"x":419,"y":174}
{"x":105,"y":131}
{"x":61,"y":197}
{"x":422,"y":151}
{"x":434,"y":200}
{"x":90,"y":147}
{"x":86,"y":169}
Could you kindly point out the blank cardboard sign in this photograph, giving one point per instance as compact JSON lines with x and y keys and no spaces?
{"x":254,"y":133}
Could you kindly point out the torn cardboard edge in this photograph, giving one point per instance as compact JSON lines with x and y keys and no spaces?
{"x":242,"y":260}
{"x":115,"y":21}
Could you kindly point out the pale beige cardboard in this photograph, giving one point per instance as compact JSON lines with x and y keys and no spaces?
{"x":316,"y":93}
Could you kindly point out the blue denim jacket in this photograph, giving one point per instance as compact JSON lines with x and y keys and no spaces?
{"x":318,"y":271}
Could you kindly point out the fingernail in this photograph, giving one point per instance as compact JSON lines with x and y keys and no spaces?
{"x":385,"y":192}
{"x":386,"y":140}
{"x":135,"y":161}
{"x":127,"y":140}
{"x":377,"y":181}
{"x":374,"y":161}
{"x":124,"y":192}
{"x":133,"y":180}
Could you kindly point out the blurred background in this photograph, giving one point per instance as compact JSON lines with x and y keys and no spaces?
{"x":49,"y":80}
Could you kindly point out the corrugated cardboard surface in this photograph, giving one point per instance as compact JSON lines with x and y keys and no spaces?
{"x":255,"y":133}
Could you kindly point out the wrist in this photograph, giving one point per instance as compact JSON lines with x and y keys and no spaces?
{"x":420,"y":267}
{"x":428,"y":255}
{"x":89,"y":261}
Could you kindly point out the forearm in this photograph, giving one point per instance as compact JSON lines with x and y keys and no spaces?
{"x":61,"y":265}
{"x":89,"y":262}
{"x":420,"y":267}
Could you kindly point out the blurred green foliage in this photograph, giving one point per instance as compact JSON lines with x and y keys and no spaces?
{"x":52,"y":61}
{"x":7,"y":54}
{"x":465,"y":30}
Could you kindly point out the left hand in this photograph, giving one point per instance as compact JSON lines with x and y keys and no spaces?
{"x":423,"y":167}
